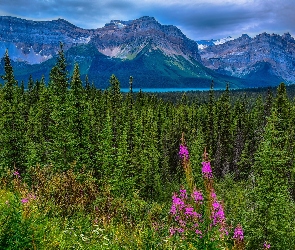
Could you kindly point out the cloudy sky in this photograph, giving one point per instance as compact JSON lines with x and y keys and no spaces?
{"x":198,"y":19}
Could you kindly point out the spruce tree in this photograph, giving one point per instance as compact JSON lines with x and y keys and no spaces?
{"x":271,"y":217}
{"x":11,"y":121}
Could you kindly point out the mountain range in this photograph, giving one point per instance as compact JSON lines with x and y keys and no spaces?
{"x":155,"y":55}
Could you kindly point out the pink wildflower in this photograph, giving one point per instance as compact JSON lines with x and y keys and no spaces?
{"x":16,"y":173}
{"x":239,"y":233}
{"x":206,"y":170}
{"x":183,"y":152}
{"x":25,"y":200}
{"x":183,"y":193}
{"x":198,"y":197}
{"x":198,"y":232}
{"x":177,"y":204}
{"x":213,"y":195}
{"x":266,"y":246}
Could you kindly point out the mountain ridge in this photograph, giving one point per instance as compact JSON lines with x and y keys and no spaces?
{"x":238,"y":57}
{"x":156,"y":55}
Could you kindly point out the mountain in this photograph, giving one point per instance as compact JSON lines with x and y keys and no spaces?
{"x":264,"y":59}
{"x":37,"y":41}
{"x":155,"y":55}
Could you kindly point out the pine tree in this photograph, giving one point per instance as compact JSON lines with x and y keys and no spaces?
{"x":59,"y":76}
{"x":11,"y":121}
{"x":76,"y":126}
{"x":222,"y":159}
{"x":272,"y":210}
{"x":60,"y":138}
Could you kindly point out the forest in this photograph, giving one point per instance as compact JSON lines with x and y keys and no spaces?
{"x":84,"y":168}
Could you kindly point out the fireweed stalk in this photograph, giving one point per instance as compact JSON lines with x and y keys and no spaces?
{"x":239,"y":238}
{"x":197,"y":219}
{"x":214,"y":207}
{"x":184,"y":156}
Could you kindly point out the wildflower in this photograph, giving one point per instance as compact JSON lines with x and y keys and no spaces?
{"x":218,"y":213}
{"x":266,"y":246}
{"x":238,"y":233}
{"x":198,"y":231}
{"x":25,"y":200}
{"x":28,"y":198}
{"x":197,"y":196}
{"x":183,"y":152}
{"x":213,"y":195}
{"x":215,"y":205}
{"x":32,"y":196}
{"x":177,"y":204}
{"x":206,"y":170}
{"x":172,"y":231}
{"x":183,"y":193}
{"x":16,"y":173}
{"x":7,"y":202}
{"x":182,"y":223}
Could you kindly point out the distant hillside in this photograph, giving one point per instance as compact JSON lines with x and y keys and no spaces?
{"x":266,"y":58}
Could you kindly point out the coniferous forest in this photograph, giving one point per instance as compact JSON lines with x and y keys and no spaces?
{"x":83,"y":168}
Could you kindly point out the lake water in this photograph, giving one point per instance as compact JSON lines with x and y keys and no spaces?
{"x":161,"y":90}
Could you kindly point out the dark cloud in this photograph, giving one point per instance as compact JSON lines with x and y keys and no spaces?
{"x":205,"y":21}
{"x":198,"y":19}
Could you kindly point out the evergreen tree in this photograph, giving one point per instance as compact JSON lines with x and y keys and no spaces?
{"x":77,"y":119}
{"x":223,"y":154}
{"x":60,"y":142}
{"x":272,"y":210}
{"x":59,"y":76}
{"x":11,"y":121}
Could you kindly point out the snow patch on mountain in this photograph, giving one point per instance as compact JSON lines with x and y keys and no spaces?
{"x":202,"y":44}
{"x":16,"y":54}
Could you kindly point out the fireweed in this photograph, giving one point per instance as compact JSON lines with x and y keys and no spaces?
{"x":184,"y":157}
{"x":238,"y":238}
{"x":198,"y":219}
{"x":266,"y":245}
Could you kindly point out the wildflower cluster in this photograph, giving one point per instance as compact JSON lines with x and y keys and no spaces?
{"x":184,"y":211}
{"x":195,"y":216}
{"x":217,"y":215}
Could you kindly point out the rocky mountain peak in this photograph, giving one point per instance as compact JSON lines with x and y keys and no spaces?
{"x":287,"y":36}
{"x":37,"y":41}
{"x":245,"y":36}
{"x":125,"y":39}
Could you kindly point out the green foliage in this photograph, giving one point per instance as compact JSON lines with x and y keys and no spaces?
{"x":119,"y":152}
{"x":272,"y":208}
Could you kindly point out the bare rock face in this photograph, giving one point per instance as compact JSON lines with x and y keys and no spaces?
{"x":125,"y":39}
{"x":36,"y":41}
{"x":245,"y":56}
